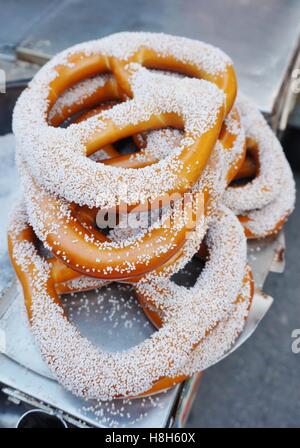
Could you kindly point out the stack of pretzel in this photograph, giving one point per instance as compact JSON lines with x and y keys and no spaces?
{"x":206,"y":174}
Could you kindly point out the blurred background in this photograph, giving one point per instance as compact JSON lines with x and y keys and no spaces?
{"x":258,"y":386}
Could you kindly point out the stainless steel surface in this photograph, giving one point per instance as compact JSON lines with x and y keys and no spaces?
{"x":262,"y":37}
{"x":19,"y":18}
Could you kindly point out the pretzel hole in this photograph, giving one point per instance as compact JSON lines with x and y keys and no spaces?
{"x":111,"y":315}
{"x":250,"y":168}
{"x":188,"y":275}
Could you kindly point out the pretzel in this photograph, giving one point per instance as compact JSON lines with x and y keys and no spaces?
{"x":93,"y":373}
{"x":264,"y":203}
{"x":87,"y":266}
{"x":171,"y":109}
{"x":235,"y":325}
{"x":128,"y":118}
{"x":176,"y":173}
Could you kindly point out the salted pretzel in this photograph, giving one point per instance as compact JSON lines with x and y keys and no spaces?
{"x":93,"y":373}
{"x":88,"y":255}
{"x":212,"y":176}
{"x":128,"y":118}
{"x":156,"y":102}
{"x":264,"y":203}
